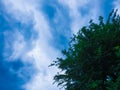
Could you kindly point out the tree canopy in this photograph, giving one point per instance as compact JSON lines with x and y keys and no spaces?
{"x":92,"y":61}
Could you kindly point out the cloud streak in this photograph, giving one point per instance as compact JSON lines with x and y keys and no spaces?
{"x":41,"y":52}
{"x":76,"y":8}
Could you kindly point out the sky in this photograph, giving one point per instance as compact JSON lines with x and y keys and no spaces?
{"x":33,"y":33}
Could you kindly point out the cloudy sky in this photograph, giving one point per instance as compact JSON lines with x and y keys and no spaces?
{"x":33,"y":33}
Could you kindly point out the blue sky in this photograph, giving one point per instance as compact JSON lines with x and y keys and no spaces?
{"x":33,"y":33}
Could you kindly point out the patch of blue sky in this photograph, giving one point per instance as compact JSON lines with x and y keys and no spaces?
{"x":26,"y":30}
{"x":3,"y":22}
{"x":1,"y":42}
{"x":49,"y":10}
{"x":8,"y":79}
{"x":4,"y":25}
{"x":85,"y":10}
{"x":107,"y":7}
{"x":14,"y":74}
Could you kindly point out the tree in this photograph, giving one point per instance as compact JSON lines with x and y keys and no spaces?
{"x":92,"y":61}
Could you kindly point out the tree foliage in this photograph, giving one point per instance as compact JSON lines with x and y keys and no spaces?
{"x":92,"y":61}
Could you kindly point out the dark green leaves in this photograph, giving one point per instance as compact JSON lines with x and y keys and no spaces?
{"x":92,"y":61}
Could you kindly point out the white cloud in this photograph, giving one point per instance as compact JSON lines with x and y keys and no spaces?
{"x":117,"y":5}
{"x":16,"y":43}
{"x":78,"y":20}
{"x":42,"y":53}
{"x":42,"y":81}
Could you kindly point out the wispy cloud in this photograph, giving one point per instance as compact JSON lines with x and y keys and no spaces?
{"x":41,"y":52}
{"x":81,"y":12}
{"x":15,"y":43}
{"x":116,"y":4}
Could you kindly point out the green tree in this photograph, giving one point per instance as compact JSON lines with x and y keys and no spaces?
{"x":92,"y":61}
